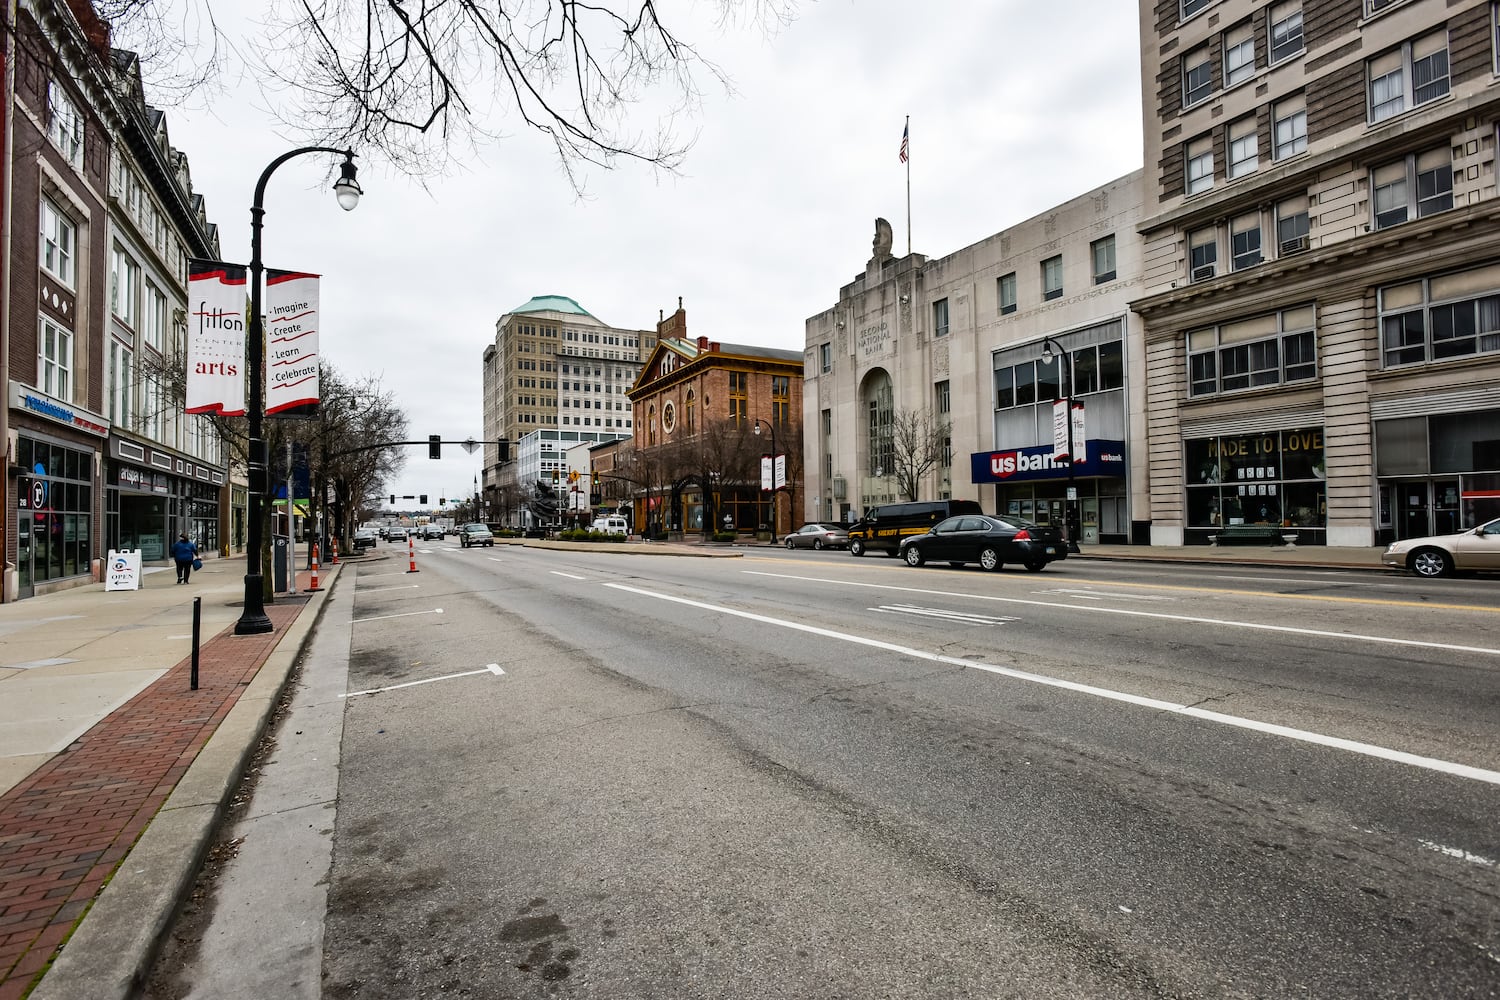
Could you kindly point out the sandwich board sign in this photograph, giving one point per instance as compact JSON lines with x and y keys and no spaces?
{"x":122,"y":571}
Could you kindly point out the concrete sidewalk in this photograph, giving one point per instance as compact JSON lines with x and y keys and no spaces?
{"x":98,"y":729}
{"x":105,"y":752}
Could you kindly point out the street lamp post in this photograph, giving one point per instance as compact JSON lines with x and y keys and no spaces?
{"x":1050,"y":350}
{"x":772,"y":428}
{"x":253,"y":620}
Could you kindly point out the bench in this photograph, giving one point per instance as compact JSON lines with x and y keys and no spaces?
{"x":1233,"y":534}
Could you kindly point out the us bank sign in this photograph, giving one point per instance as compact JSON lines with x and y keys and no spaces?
{"x":1103,"y":458}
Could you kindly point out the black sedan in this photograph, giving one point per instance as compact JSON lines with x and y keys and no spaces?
{"x":990,"y":541}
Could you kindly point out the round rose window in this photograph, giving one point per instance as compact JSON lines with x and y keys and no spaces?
{"x":668,"y":417}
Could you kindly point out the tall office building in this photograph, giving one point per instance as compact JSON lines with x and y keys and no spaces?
{"x":554,"y":366}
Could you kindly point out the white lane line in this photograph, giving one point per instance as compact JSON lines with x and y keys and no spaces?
{"x":493,"y":668}
{"x":942,"y":614}
{"x":1300,"y":735}
{"x":570,"y":576}
{"x":382,"y":590}
{"x":1096,"y":594}
{"x":1129,"y":613}
{"x":377,"y":576}
{"x":1459,"y":853}
{"x":405,"y":614}
{"x":496,"y":559}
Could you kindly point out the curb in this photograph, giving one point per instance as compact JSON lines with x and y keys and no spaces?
{"x":112,"y":950}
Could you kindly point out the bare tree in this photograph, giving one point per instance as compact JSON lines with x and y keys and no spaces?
{"x":720,"y":456}
{"x":919,"y":442}
{"x":409,"y":77}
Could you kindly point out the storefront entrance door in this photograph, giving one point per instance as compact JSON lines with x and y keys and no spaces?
{"x":1445,"y":509}
{"x":1427,"y":508}
{"x":26,"y":580}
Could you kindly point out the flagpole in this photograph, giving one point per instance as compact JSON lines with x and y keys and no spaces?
{"x":907,"y":133}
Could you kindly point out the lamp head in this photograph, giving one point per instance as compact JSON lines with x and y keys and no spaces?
{"x":1047,"y":352}
{"x":757,"y":428}
{"x":346,"y":188}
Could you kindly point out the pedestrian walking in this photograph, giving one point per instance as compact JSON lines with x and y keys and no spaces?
{"x":185,"y":554}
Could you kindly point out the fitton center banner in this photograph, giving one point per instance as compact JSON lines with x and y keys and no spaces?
{"x":216,"y":338}
{"x":291,"y":343}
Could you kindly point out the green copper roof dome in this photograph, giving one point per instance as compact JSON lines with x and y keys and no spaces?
{"x":553,"y":303}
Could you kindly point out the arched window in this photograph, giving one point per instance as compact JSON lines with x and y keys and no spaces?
{"x":877,"y":398}
{"x":651,"y":425}
{"x":688,"y":423}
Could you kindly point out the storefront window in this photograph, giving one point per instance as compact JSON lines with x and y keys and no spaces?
{"x":1263,"y":479}
{"x":61,"y":529}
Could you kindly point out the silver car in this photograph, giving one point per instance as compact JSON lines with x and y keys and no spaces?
{"x":819,"y":535}
{"x":1441,"y":555}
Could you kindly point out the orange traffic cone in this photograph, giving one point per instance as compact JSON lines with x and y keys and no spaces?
{"x":314,"y":585}
{"x":333,"y":546}
{"x":411,"y":546}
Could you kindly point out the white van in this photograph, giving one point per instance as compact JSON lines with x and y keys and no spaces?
{"x":611,"y":525}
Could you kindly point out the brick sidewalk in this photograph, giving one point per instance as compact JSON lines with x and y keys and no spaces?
{"x":66,"y":827}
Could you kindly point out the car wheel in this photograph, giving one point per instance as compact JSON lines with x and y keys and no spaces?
{"x":913,"y":556}
{"x":856,"y":548}
{"x":789,"y":544}
{"x":1431,"y":563}
{"x":1036,"y":565}
{"x":818,"y":544}
{"x":989,"y":558}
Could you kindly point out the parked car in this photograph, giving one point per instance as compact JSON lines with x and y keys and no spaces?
{"x":475,"y":534}
{"x":819,"y":535}
{"x":396,"y":533}
{"x":884,"y":527}
{"x":1441,"y":555}
{"x":365,"y":538}
{"x":431,"y":530}
{"x":990,"y":541}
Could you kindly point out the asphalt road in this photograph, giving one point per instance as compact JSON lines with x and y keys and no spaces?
{"x":808,"y":775}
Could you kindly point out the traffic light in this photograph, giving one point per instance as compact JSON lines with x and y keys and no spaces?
{"x":434,"y":446}
{"x":423,"y":499}
{"x":442,"y":501}
{"x":393,"y":499}
{"x":504,"y":450}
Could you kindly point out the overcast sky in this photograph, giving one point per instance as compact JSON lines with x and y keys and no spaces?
{"x":1015,"y":106}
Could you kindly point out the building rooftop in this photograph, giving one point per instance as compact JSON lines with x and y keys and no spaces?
{"x":553,"y":303}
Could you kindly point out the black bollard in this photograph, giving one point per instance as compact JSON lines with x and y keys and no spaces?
{"x":197,"y":617}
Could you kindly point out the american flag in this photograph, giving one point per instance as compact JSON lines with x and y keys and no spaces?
{"x":904,"y":132}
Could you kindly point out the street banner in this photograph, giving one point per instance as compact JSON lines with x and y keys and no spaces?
{"x":772,"y":472}
{"x":1060,"y":437}
{"x":1080,"y":439}
{"x":122,"y":570}
{"x":216,"y":338}
{"x":291,"y":343}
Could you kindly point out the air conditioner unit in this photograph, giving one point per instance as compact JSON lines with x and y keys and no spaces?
{"x":1297,"y":245}
{"x":1203,"y":273}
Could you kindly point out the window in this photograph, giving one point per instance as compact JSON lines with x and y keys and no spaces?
{"x":1098,"y":368}
{"x":1286,"y":31}
{"x":1191,"y":7}
{"x":1200,"y":165}
{"x":1430,"y":174}
{"x":1244,"y":241}
{"x":1409,"y":76}
{"x":56,"y":361}
{"x":64,"y":124}
{"x":940,"y":318}
{"x":738,"y":403}
{"x":1434,"y":319}
{"x":1007,"y":293}
{"x":1271,"y":349}
{"x":1244,"y":147}
{"x":1203,"y":254}
{"x":1197,"y":76}
{"x":124,"y":286}
{"x":1292,"y":225}
{"x":825,"y":358}
{"x":688,"y":423}
{"x":1052,"y":278}
{"x":781,"y":396}
{"x":58,"y":238}
{"x":118,"y":391}
{"x":154,"y":320}
{"x":942,"y":402}
{"x":1291,"y":126}
{"x":1103,"y":254}
{"x":1239,"y":54}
